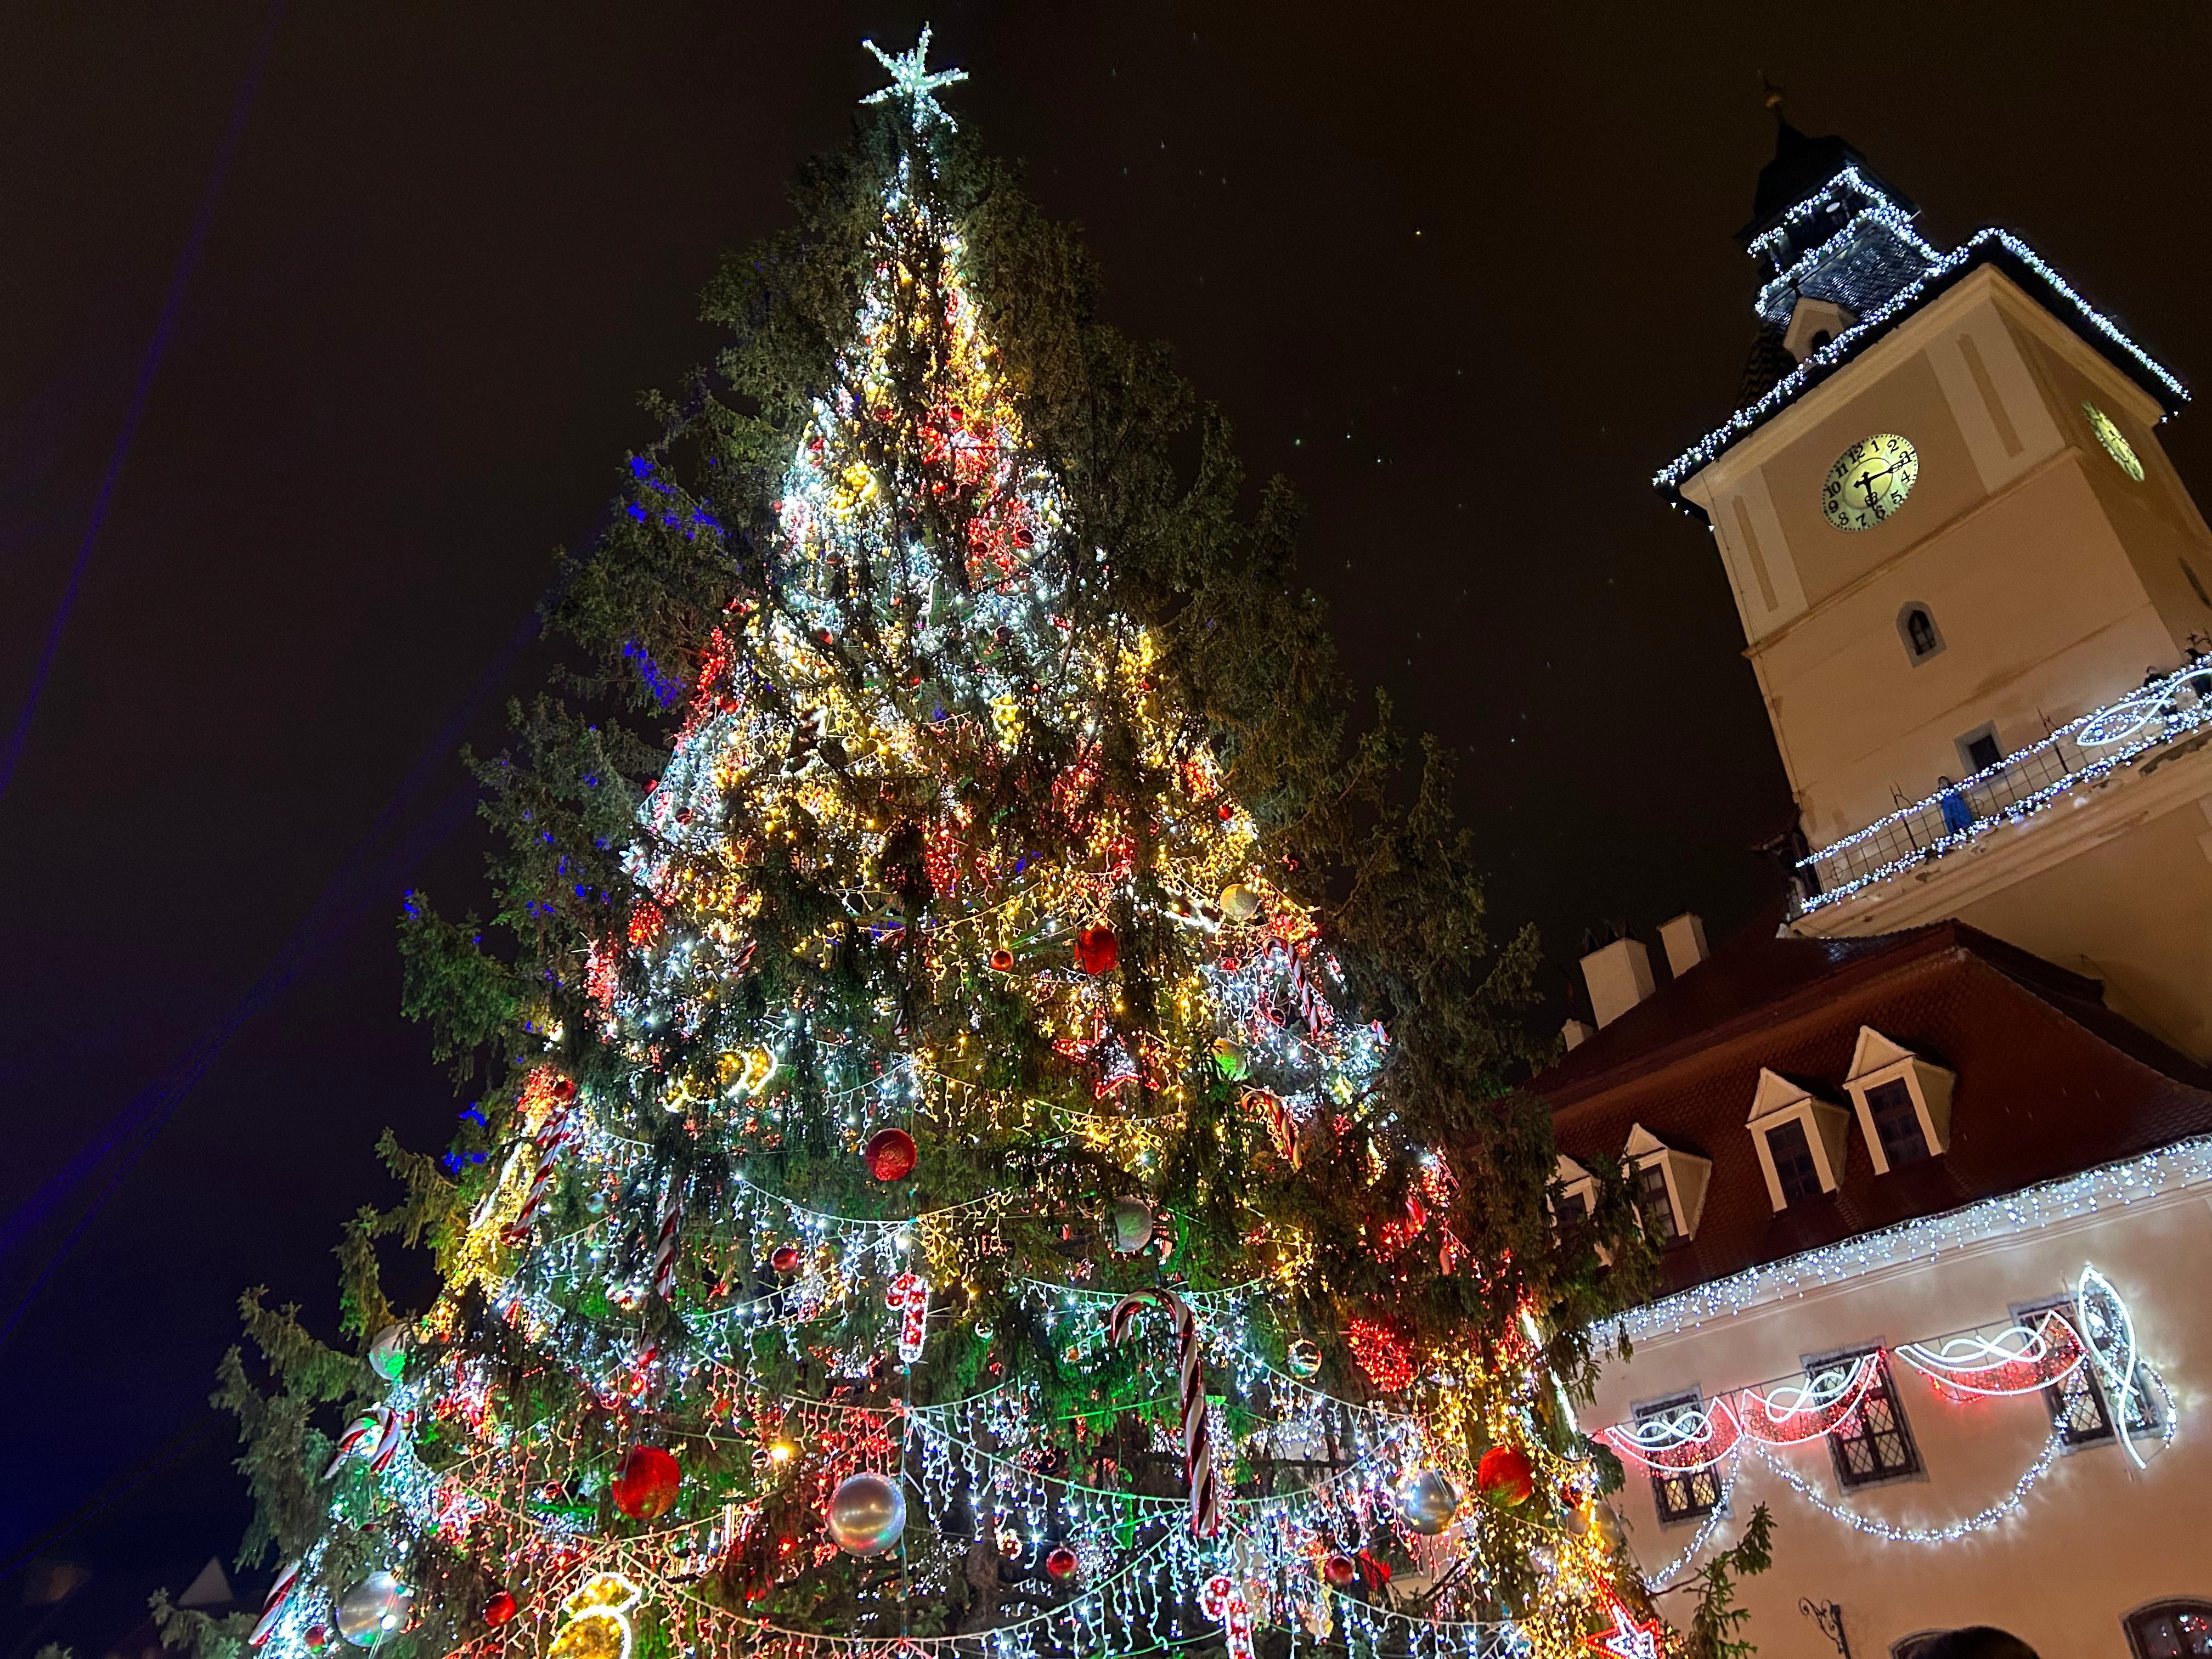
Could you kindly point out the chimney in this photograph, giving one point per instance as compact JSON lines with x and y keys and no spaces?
{"x":1577,"y":1032}
{"x":1684,"y":939}
{"x":1618,"y":976}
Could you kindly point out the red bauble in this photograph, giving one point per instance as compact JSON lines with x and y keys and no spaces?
{"x":500,"y":1607}
{"x":1096,"y":950}
{"x":891,"y":1154}
{"x":784,"y":1258}
{"x":1340,"y":1570}
{"x":1002,"y":960}
{"x":1504,"y":1476}
{"x":1060,"y":1561}
{"x":645,"y":1486}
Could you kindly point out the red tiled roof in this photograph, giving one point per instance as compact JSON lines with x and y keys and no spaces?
{"x":2050,"y":1081}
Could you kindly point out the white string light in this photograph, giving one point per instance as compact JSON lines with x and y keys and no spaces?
{"x":2170,"y":1168}
{"x":1847,"y":343}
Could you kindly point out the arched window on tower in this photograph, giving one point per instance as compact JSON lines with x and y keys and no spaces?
{"x":1915,"y":626}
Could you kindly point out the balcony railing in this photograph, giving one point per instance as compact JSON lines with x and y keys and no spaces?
{"x":2018,"y":787}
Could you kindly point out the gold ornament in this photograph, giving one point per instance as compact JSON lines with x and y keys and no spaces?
{"x":599,"y":1620}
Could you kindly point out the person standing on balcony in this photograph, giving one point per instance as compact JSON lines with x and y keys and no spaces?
{"x":1957,"y":815}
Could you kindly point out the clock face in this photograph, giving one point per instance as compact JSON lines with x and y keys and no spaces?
{"x":2114,"y":441}
{"x":1870,"y":481}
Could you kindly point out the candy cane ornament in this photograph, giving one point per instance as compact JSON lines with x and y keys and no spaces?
{"x":1223,"y":1598}
{"x":1313,"y":1008}
{"x":279,"y":1594}
{"x":908,"y":1295}
{"x":1197,"y":1441}
{"x":663,"y":1253}
{"x":555,"y":1132}
{"x":375,"y":1435}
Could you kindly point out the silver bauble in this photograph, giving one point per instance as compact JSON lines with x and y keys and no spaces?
{"x":1303,"y":1358}
{"x":1133,"y":1225}
{"x":867,"y":1513}
{"x":1428,"y":1503}
{"x":1240,"y":903}
{"x":387,"y":1355}
{"x":375,"y":1610}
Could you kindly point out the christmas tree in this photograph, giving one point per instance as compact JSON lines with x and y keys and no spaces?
{"x":1000,"y":1141}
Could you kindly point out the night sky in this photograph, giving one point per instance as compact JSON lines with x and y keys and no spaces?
{"x":1467,"y":276}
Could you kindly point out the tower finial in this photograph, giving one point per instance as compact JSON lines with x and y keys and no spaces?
{"x":911,"y":79}
{"x":1771,"y":94}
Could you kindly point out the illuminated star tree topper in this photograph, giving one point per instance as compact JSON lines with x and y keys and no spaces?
{"x":912,"y":80}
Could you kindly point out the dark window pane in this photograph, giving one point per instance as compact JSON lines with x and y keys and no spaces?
{"x":1681,"y":1495}
{"x":1873,"y":1442}
{"x":1982,"y":753}
{"x":1793,"y":1161}
{"x":2172,"y":1629}
{"x":1897,"y":1122}
{"x":1658,"y":1209}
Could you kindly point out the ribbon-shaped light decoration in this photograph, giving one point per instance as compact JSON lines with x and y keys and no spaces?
{"x":1223,"y":1598}
{"x":908,"y":1295}
{"x":1197,"y":1443}
{"x":1788,"y":1415}
{"x":1680,"y":1442}
{"x":2110,"y":1332}
{"x":2019,"y":1359}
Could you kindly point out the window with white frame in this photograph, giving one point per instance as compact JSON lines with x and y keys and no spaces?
{"x":1680,"y":1494}
{"x":1578,"y":1199}
{"x":1903,"y":1102}
{"x":1801,"y":1141}
{"x":1656,"y":1204}
{"x":1670,"y":1186}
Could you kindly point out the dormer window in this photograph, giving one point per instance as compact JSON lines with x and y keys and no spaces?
{"x":1670,"y":1186}
{"x":1801,"y":1141}
{"x":1812,"y":325}
{"x":1577,"y":1194}
{"x":1903,"y":1102}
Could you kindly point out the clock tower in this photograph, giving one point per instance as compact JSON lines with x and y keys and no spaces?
{"x":1974,"y":590}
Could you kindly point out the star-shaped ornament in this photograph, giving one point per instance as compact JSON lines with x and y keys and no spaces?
{"x":912,"y":80}
{"x":1630,"y":1637}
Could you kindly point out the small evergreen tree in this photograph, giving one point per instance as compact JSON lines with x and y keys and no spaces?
{"x":999,"y":1134}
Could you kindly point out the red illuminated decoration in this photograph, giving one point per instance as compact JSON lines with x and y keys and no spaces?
{"x":1340,"y":1570}
{"x":1382,"y":1354}
{"x":1060,"y":1561}
{"x":891,"y":1154}
{"x":1505,"y":1476}
{"x":1630,"y":1637}
{"x":500,"y":1607}
{"x":645,"y":1486}
{"x":1096,"y":950}
{"x":784,"y":1258}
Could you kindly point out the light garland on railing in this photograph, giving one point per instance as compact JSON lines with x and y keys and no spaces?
{"x":2100,"y":727}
